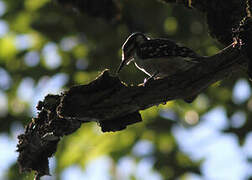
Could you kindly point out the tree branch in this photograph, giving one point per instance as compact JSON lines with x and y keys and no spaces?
{"x":113,"y":105}
{"x":231,"y":12}
{"x":107,"y":98}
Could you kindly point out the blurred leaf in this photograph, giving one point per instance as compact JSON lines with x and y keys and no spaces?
{"x":7,"y":48}
{"x":33,"y":5}
{"x":14,"y":174}
{"x":22,"y":22}
{"x":171,"y":25}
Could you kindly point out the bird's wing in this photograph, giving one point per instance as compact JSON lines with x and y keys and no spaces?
{"x":155,"y":48}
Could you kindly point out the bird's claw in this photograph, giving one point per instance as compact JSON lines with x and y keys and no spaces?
{"x":145,"y":81}
{"x":151,"y":78}
{"x":148,"y":80}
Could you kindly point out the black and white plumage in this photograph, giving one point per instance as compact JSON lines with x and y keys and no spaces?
{"x":158,"y":58}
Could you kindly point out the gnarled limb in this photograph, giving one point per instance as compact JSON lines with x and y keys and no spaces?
{"x":107,"y":98}
{"x":113,"y":105}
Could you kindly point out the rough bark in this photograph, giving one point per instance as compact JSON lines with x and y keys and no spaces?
{"x":107,"y":98}
{"x":221,"y":16}
{"x":114,"y":105}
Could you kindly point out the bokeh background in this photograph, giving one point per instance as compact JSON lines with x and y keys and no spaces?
{"x":47,"y":47}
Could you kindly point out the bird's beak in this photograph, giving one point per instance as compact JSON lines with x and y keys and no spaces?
{"x":125,"y":61}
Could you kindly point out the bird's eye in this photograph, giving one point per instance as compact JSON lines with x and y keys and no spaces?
{"x":139,"y":39}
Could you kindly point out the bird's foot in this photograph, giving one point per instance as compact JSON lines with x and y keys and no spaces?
{"x":148,"y":80}
{"x":145,"y":81}
{"x":151,"y":78}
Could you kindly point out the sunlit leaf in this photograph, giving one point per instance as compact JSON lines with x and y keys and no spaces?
{"x":7,"y":48}
{"x":33,"y":5}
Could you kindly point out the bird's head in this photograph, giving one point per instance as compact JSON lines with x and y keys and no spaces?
{"x":129,"y":48}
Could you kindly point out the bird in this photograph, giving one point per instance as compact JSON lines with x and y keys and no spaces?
{"x":156,"y":57}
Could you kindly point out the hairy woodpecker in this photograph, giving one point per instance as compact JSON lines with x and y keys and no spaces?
{"x":158,"y":58}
